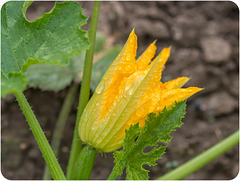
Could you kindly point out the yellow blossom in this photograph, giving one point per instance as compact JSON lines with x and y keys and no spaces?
{"x":129,"y":90}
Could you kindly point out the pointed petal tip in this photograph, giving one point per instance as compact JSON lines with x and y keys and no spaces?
{"x":153,"y":44}
{"x":133,"y":31}
{"x":165,"y":53}
{"x":133,"y":35}
{"x":196,"y":89}
{"x":186,"y":80}
{"x":169,"y":49}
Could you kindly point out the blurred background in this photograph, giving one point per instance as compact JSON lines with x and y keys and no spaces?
{"x":205,"y":46}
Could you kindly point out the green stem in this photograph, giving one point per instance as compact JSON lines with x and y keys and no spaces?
{"x":85,"y":163}
{"x":85,"y":89}
{"x":202,"y":159}
{"x":61,"y":122}
{"x":43,"y":144}
{"x":113,"y":175}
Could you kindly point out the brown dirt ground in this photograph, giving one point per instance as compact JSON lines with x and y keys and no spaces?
{"x":204,"y":39}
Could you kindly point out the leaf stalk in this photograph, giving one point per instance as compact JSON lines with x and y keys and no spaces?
{"x":61,"y":122}
{"x":113,"y":175}
{"x":43,"y":144}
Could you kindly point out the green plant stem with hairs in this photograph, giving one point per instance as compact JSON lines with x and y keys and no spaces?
{"x":47,"y":152}
{"x":113,"y":175}
{"x":61,"y":122}
{"x":85,"y":89}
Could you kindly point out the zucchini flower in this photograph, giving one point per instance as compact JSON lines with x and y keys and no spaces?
{"x":127,"y":93}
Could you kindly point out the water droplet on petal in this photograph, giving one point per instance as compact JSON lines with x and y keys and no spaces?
{"x":127,"y":87}
{"x":100,"y":87}
{"x":130,"y":91}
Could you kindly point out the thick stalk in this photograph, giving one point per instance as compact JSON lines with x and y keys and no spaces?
{"x":113,"y":175}
{"x":202,"y":159}
{"x":85,"y":89}
{"x":43,"y":144}
{"x":85,"y":163}
{"x":61,"y":122}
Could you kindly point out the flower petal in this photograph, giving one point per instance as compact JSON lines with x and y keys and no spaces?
{"x":124,"y":66}
{"x":128,"y":91}
{"x":106,"y":129}
{"x":107,"y":92}
{"x":130,"y":103}
{"x":144,"y":60}
{"x":169,"y":97}
{"x":176,"y":83}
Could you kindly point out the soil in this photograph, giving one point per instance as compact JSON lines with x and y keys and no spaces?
{"x":205,"y":46}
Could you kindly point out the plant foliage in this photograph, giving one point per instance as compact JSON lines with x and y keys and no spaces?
{"x":51,"y":39}
{"x":157,"y":129}
{"x":58,"y":77}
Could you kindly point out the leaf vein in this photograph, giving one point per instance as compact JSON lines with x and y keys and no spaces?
{"x":4,"y":74}
{"x":10,"y":40}
{"x":50,"y":36}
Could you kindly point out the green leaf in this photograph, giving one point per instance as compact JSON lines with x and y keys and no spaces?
{"x":51,"y":39}
{"x":49,"y":77}
{"x":157,"y":129}
{"x":16,"y":82}
{"x":56,"y":78}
